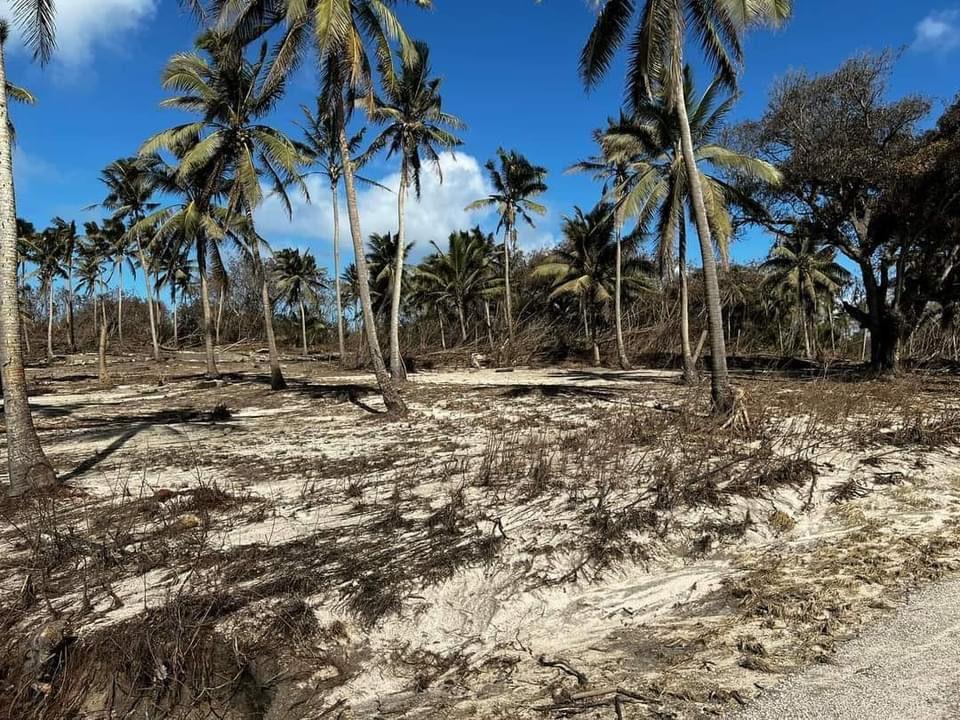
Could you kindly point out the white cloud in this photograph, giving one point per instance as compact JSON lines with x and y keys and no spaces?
{"x":84,"y":25}
{"x":938,"y":32}
{"x":439,"y":211}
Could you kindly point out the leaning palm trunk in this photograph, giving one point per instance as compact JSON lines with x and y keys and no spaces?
{"x":212,"y":371}
{"x":341,"y":345}
{"x":27,"y":465}
{"x":303,"y":327}
{"x":391,"y":397}
{"x":689,"y":362}
{"x":618,"y":292}
{"x":102,"y":346}
{"x":71,"y":320}
{"x":276,"y":374}
{"x":397,"y":368}
{"x":221,"y":297}
{"x":509,"y":235}
{"x":719,"y":381}
{"x":443,"y":335}
{"x":50,"y":322}
{"x":151,"y":311}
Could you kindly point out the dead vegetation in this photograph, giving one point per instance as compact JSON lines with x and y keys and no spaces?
{"x":243,"y":557}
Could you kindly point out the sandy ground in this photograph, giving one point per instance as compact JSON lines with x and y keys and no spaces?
{"x":905,"y":668}
{"x":513,"y":521}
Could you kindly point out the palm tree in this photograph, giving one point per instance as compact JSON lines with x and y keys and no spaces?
{"x":28,"y":467}
{"x":321,"y":149}
{"x":47,"y":257}
{"x":381,"y":254}
{"x":94,"y":251}
{"x":612,"y":170}
{"x":298,"y":278}
{"x":585,"y":266}
{"x":131,"y":185}
{"x":67,"y":234}
{"x":656,"y":60}
{"x":230,"y":144}
{"x":177,"y":274}
{"x":412,"y":111}
{"x":461,"y":276}
{"x":343,"y":31}
{"x":515,"y":182}
{"x":801,"y":268}
{"x":655,"y":185}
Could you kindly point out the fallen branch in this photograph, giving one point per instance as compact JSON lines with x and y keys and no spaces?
{"x":565,"y":667}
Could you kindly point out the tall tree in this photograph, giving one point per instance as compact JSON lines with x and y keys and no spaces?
{"x":801,"y":267}
{"x":856,"y":177}
{"x":515,"y":182}
{"x":67,"y":234}
{"x":656,"y":186}
{"x":321,"y":149}
{"x":28,"y":466}
{"x":343,"y":32}
{"x":657,"y":45}
{"x":411,"y":109}
{"x":94,"y":251}
{"x":461,"y":276}
{"x":299,"y":279}
{"x":231,"y":144}
{"x":585,"y":266}
{"x":131,"y":186}
{"x":47,"y":257}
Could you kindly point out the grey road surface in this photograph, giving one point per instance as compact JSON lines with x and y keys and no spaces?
{"x":906,"y":668}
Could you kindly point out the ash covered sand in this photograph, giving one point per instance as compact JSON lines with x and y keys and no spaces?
{"x":533,"y":544}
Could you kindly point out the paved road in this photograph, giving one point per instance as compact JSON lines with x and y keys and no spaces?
{"x":907,"y":668}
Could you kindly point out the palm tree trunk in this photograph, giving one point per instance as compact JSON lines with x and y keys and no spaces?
{"x":303,"y":327}
{"x":341,"y":344}
{"x":102,"y":345}
{"x":719,"y":382}
{"x":27,"y":465}
{"x":461,"y":316}
{"x":50,"y":322}
{"x":151,"y":311}
{"x":276,"y":373}
{"x":509,"y":236}
{"x":618,"y":294}
{"x":486,"y":309}
{"x":689,"y":364}
{"x":443,"y":336}
{"x":594,"y":342}
{"x":397,"y":369}
{"x":391,"y":397}
{"x":71,"y":320}
{"x":176,"y":326}
{"x":221,"y":298}
{"x":212,"y":372}
{"x":120,"y":307}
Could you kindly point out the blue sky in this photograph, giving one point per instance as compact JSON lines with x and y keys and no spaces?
{"x":509,"y":69}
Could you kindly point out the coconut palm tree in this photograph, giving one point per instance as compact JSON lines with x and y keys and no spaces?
{"x":46,"y":255}
{"x":95,"y":250}
{"x":416,"y":126}
{"x":460,"y":277}
{"x":656,"y":61}
{"x":176,"y":273}
{"x":585,"y":266}
{"x":381,"y":253}
{"x":131,"y":185}
{"x":67,"y":234}
{"x":321,"y":149}
{"x":802,"y":268}
{"x":656,"y":187}
{"x":612,"y":171}
{"x":515,"y":182}
{"x":231,"y":144}
{"x":343,"y":33}
{"x":298,"y":279}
